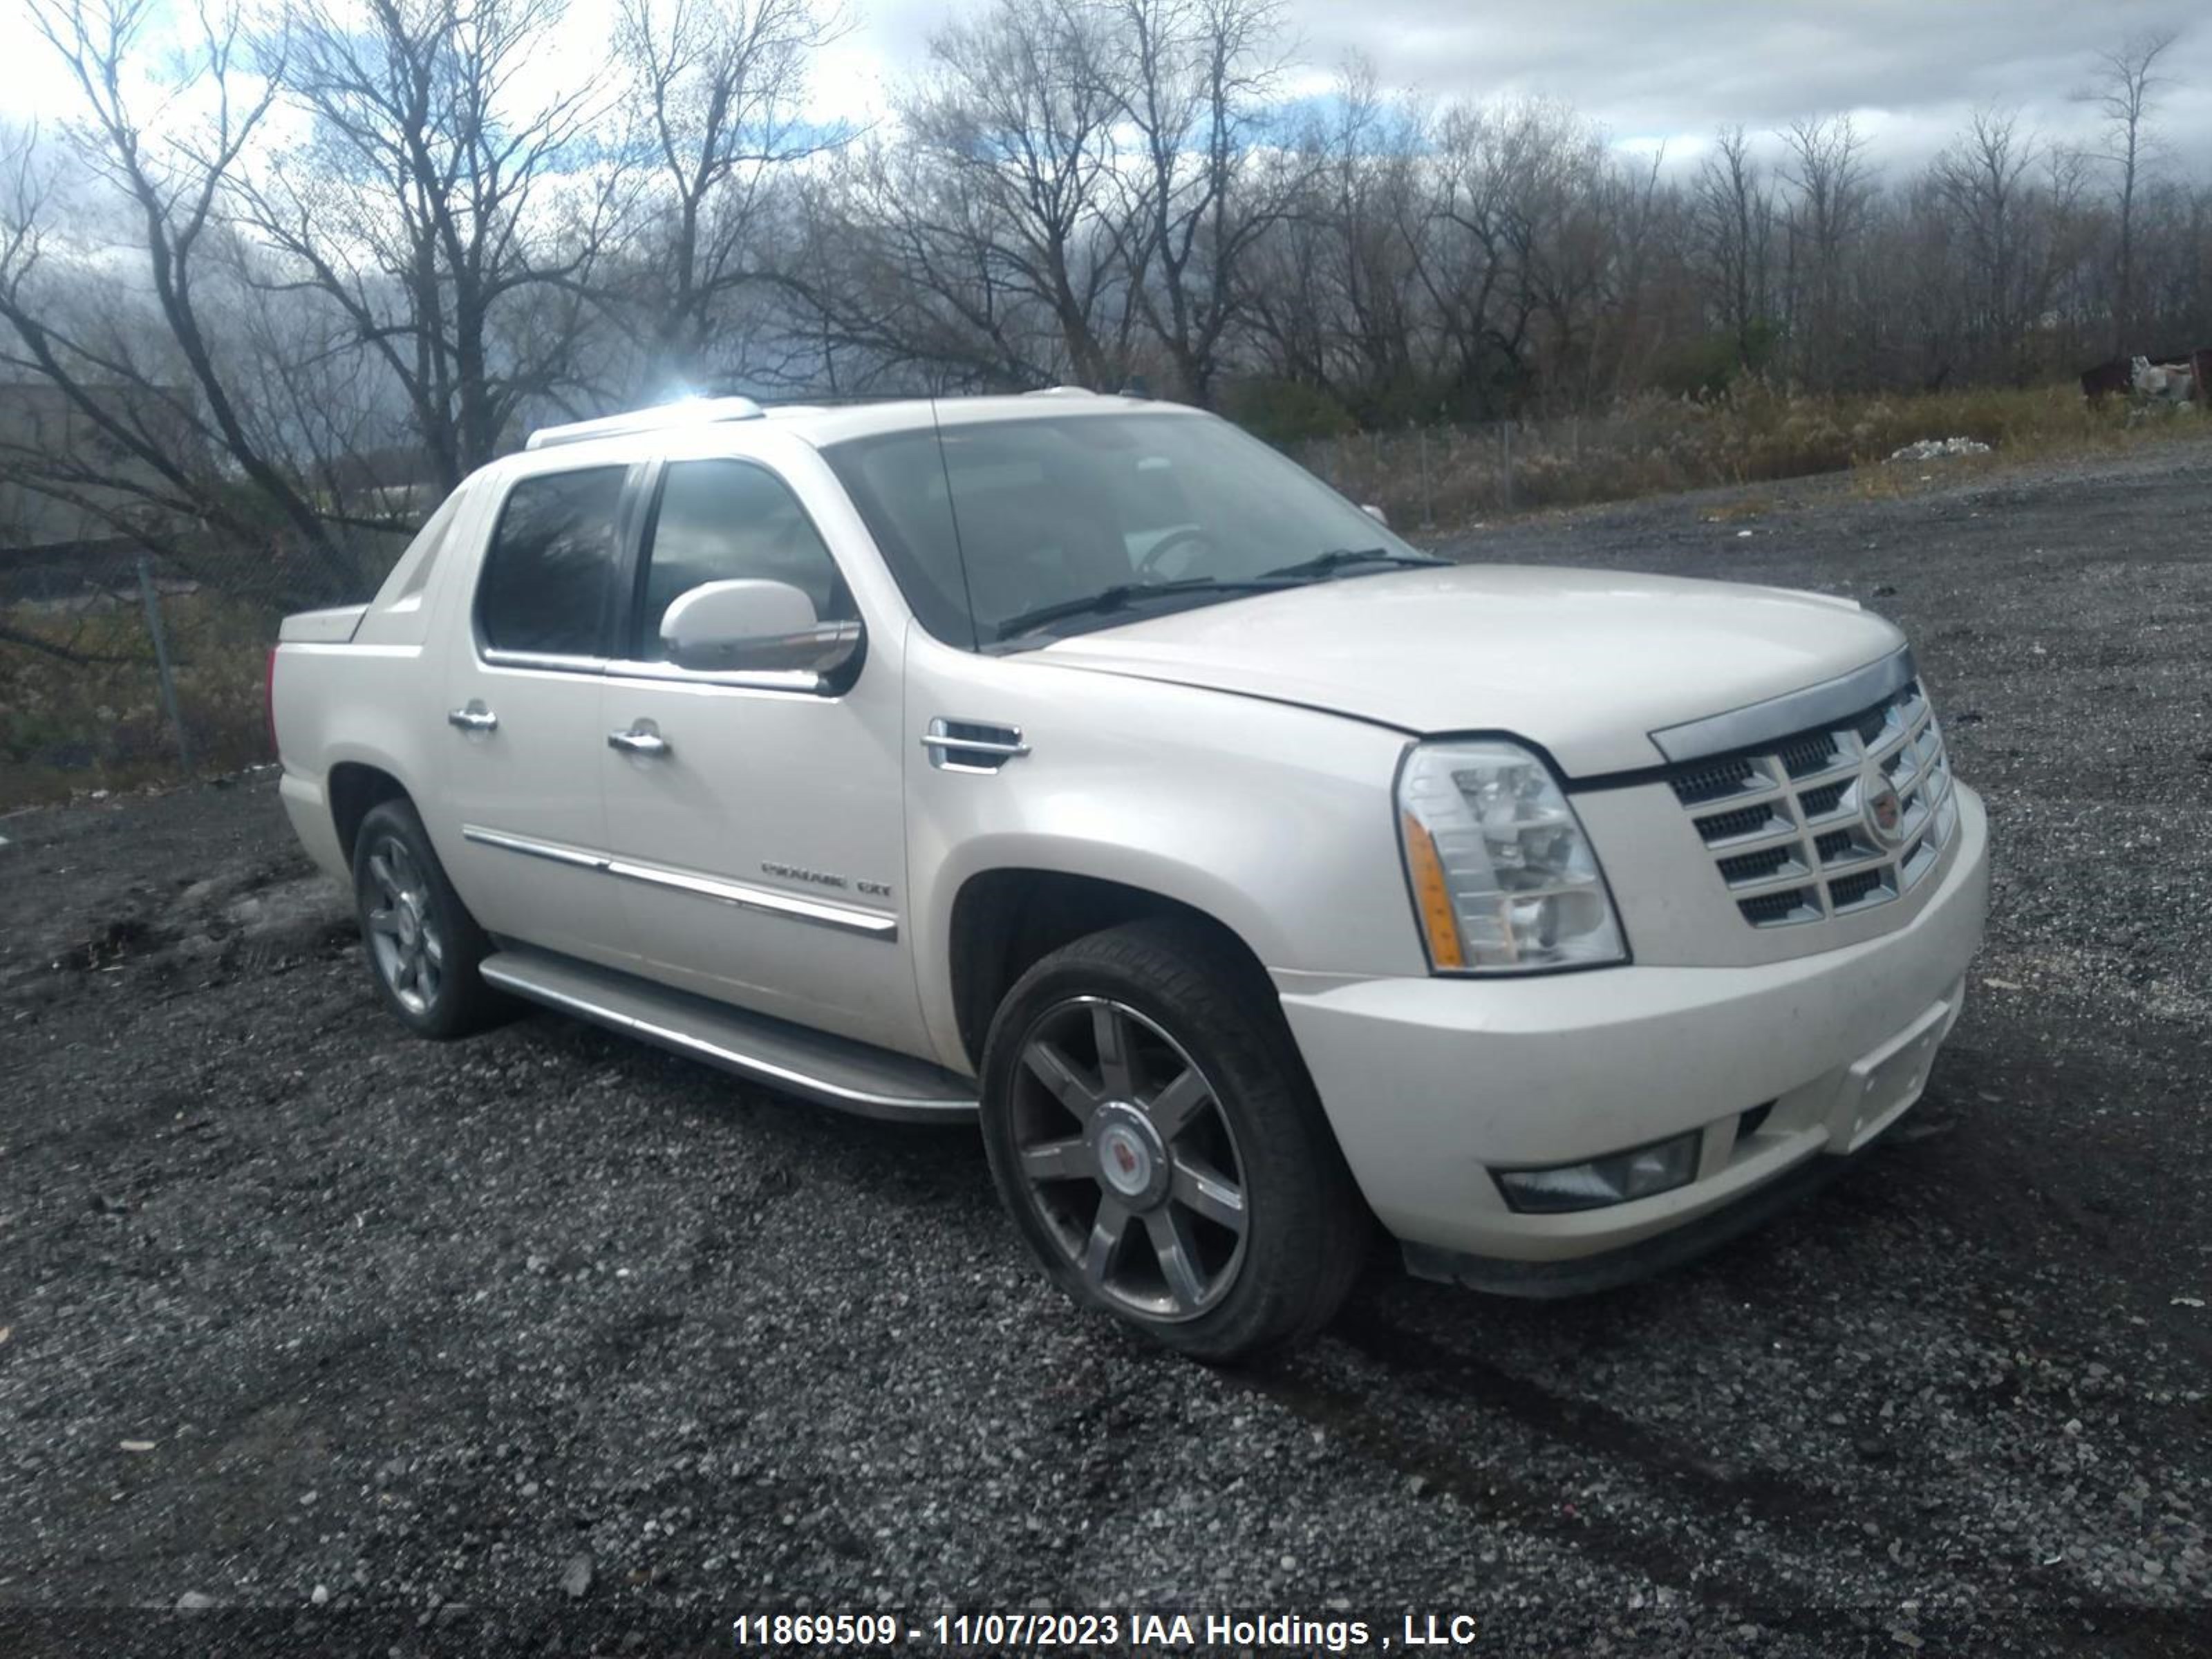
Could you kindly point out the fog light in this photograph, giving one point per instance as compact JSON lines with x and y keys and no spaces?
{"x":1658,"y":1168}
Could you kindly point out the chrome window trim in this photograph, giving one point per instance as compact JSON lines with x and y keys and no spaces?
{"x":849,"y":919}
{"x":352,"y":649}
{"x":544,"y":662}
{"x":795,"y":682}
{"x":1784,"y":716}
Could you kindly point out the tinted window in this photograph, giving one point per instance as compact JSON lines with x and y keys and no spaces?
{"x":999,"y":519}
{"x":552,"y":565}
{"x":725,"y":520}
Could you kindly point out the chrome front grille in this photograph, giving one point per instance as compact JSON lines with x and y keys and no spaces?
{"x":1805,"y":829}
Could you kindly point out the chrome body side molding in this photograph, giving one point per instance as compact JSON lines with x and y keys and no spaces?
{"x":551,"y":851}
{"x":843,"y":918}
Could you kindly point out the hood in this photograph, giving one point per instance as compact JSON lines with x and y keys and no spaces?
{"x":1587,"y":662}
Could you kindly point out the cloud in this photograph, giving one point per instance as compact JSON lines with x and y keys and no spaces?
{"x":1653,"y":72}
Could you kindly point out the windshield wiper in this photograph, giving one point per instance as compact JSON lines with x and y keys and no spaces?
{"x":1122,"y":595}
{"x":1328,"y":563}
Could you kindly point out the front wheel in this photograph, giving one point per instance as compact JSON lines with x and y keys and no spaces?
{"x":1153,"y":1134}
{"x":424,"y":947}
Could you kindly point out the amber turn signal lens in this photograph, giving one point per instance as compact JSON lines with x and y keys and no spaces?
{"x":1432,"y":896}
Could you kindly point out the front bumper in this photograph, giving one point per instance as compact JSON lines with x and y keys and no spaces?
{"x":1429,"y":1083}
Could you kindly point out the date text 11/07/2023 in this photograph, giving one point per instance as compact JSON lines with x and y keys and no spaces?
{"x":1148,"y":1632}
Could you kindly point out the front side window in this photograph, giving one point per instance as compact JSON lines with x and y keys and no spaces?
{"x":725,"y":520}
{"x":550,"y":573}
{"x":998,"y":521}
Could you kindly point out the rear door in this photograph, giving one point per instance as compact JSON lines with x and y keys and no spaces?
{"x":760,"y":834}
{"x":523,"y":831}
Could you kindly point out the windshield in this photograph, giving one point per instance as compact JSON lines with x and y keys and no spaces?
{"x":1053,"y":512}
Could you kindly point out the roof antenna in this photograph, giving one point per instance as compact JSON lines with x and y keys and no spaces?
{"x":952,"y":512}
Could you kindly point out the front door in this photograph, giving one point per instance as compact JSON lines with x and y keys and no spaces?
{"x":757,"y":819}
{"x":521,"y":827}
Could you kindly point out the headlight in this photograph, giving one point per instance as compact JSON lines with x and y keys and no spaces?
{"x":1503,"y":878}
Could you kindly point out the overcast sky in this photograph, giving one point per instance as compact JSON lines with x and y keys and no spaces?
{"x":1650,"y":71}
{"x":1671,"y":71}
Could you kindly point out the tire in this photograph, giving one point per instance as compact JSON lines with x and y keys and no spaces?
{"x":1118,"y":1167}
{"x":423,"y":946}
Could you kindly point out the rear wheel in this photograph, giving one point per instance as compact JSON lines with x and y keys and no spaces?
{"x":1151,"y":1130}
{"x":424,"y":947}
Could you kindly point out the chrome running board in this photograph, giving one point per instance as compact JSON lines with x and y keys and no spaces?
{"x":833,"y":1071}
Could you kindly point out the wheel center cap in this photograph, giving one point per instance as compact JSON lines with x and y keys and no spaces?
{"x":409,"y":927}
{"x":1126,"y":1162}
{"x":1132,"y":1163}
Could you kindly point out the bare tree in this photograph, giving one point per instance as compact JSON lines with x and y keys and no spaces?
{"x":1201,"y":75}
{"x":1018,"y":121}
{"x":158,"y":386}
{"x":1827,"y":169}
{"x":909,"y":281}
{"x":1983,"y":179}
{"x":1338,"y":296}
{"x":718,"y":85}
{"x":1461,"y":254}
{"x":1732,"y":210}
{"x":2124,"y":90}
{"x":454,"y":219}
{"x":1561,"y":219}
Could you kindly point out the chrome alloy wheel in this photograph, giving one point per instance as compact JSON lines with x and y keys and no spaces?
{"x":1126,"y":1155}
{"x":402,"y":937}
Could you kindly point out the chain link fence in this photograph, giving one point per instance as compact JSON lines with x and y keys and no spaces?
{"x":122,"y":667}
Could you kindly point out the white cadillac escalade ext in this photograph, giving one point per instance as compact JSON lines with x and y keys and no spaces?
{"x":1079,"y":764}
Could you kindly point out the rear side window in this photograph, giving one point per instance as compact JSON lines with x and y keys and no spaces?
{"x":722,"y":521}
{"x":550,"y":570}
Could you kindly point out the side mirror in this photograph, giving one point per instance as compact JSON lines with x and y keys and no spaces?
{"x":754,"y":626}
{"x":1375,"y":513}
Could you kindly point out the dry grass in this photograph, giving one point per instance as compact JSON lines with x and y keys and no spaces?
{"x":1652,"y":446}
{"x":67,"y":727}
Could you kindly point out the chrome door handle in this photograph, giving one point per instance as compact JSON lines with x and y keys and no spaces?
{"x":638,"y":743}
{"x":475,"y":718}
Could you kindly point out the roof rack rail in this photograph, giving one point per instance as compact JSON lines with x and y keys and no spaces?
{"x":685,"y":411}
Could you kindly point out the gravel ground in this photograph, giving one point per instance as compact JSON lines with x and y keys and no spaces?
{"x":544,"y":1342}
